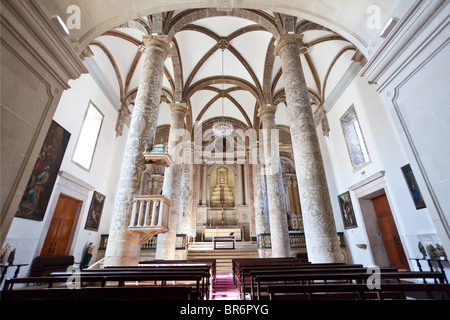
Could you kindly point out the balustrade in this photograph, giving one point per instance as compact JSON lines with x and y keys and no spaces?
{"x":150,"y":214}
{"x":296,"y":240}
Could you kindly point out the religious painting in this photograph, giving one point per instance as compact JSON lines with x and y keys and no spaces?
{"x":40,"y":184}
{"x":413,"y":187}
{"x":95,"y":212}
{"x":348,"y":215}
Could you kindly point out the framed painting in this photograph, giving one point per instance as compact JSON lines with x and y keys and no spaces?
{"x":40,"y":184}
{"x":413,"y":187}
{"x":348,"y":214}
{"x":95,"y":212}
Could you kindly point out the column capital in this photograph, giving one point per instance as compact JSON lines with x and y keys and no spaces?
{"x":178,"y":107}
{"x":267,"y":111}
{"x":160,"y":41}
{"x":285,"y":40}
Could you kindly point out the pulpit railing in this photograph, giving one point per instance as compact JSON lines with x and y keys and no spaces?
{"x":149,"y":216}
{"x":296,"y":240}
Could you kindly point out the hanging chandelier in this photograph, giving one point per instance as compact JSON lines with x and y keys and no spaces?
{"x":222,"y":127}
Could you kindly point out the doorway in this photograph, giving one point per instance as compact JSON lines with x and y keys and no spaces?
{"x":389,"y":233}
{"x":60,"y":229}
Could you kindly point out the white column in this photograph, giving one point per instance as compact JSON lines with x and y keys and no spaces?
{"x":165,"y":248}
{"x":124,"y":247}
{"x":279,"y":232}
{"x":320,"y":229}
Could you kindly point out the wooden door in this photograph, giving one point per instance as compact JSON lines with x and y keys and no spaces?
{"x":394,"y":247}
{"x":60,"y":228}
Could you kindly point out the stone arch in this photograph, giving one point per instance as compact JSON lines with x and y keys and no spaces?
{"x":192,"y":16}
{"x":328,"y":15}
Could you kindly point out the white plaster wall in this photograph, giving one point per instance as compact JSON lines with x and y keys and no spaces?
{"x":387,"y":154}
{"x":27,"y":236}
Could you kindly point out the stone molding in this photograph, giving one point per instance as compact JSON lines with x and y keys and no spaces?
{"x":158,"y":41}
{"x":288,"y":40}
{"x":267,"y":111}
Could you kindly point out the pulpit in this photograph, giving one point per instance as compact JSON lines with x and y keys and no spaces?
{"x":150,"y":211}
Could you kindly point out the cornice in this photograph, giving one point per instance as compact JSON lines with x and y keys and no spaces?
{"x":407,"y":38}
{"x":27,"y":21}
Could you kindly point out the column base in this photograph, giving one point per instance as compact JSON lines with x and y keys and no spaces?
{"x":324,"y":250}
{"x":123,"y":252}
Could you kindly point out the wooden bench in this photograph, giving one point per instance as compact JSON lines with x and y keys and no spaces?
{"x":209,"y":262}
{"x":166,"y":268}
{"x":357,"y":291}
{"x":245,"y":280}
{"x":256,"y":275}
{"x":308,"y":278}
{"x":100,"y":277}
{"x":44,"y":265}
{"x":108,"y":293}
{"x":238,"y":266}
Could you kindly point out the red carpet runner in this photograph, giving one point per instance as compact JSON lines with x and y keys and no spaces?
{"x":224,"y":288}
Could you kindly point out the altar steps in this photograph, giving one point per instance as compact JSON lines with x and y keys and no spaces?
{"x":205,"y":250}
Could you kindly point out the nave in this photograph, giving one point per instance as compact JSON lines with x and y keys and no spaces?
{"x":249,"y":278}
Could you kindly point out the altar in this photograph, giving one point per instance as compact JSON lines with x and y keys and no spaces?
{"x":211,"y":232}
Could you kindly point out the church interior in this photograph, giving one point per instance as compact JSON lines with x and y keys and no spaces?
{"x":228,"y":134}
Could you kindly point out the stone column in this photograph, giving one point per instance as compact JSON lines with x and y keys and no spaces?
{"x":320,"y":229}
{"x":123,"y":246}
{"x":238,"y":189}
{"x":261,"y":223}
{"x":204,"y":177}
{"x":245,"y":184}
{"x":165,"y":248}
{"x":279,"y":232}
{"x":186,"y":191}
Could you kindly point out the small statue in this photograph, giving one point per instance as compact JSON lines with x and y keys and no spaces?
{"x":11,"y":257}
{"x":440,"y":252}
{"x":431,"y":251}
{"x":422,"y":249}
{"x":4,"y":252}
{"x":87,"y":255}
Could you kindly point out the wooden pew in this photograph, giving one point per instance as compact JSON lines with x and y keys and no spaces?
{"x":358,"y":291}
{"x":239,"y":262}
{"x":245,"y":281}
{"x":209,"y":262}
{"x":100,"y":277}
{"x":239,"y":277}
{"x":321,"y":268}
{"x":164,"y":268}
{"x":349,"y":276}
{"x":108,"y":293}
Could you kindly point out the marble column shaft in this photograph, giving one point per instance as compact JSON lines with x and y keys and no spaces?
{"x":279,"y":232}
{"x":124,"y":246}
{"x":186,"y":191}
{"x":165,"y":248}
{"x":261,"y":214}
{"x":319,"y":225}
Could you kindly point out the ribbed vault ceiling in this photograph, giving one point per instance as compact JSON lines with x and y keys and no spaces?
{"x":201,"y":38}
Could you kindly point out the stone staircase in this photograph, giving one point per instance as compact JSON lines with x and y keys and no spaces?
{"x":205,"y":250}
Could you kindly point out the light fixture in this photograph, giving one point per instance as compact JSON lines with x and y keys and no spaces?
{"x":222,"y":127}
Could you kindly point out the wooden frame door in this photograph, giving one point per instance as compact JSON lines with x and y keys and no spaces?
{"x":58,"y":234}
{"x":391,"y":237}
